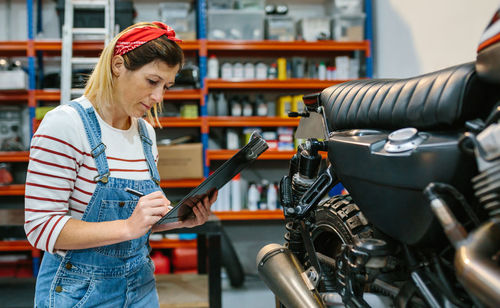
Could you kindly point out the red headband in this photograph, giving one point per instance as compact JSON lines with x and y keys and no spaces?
{"x":141,"y":35}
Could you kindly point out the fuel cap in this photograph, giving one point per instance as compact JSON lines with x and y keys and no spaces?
{"x":403,"y":140}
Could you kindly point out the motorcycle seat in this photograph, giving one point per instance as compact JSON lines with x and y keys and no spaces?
{"x":440,"y":100}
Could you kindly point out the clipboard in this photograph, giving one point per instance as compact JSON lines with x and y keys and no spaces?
{"x":242,"y":159}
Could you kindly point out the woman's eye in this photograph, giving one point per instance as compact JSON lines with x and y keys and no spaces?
{"x":152,"y":82}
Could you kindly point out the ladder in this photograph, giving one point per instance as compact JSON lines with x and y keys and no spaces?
{"x":68,"y":34}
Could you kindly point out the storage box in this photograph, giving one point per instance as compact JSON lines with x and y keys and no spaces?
{"x":13,"y":80}
{"x":184,"y":161}
{"x":334,"y":7}
{"x":235,"y":25}
{"x":314,"y":28}
{"x":280,"y":28}
{"x":180,"y":17}
{"x":348,"y":27}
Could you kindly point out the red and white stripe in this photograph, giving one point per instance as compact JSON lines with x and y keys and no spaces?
{"x":59,"y":182}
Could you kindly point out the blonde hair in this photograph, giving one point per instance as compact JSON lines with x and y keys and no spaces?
{"x":100,"y":85}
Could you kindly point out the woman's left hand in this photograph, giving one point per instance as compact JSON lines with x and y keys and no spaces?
{"x":201,"y":212}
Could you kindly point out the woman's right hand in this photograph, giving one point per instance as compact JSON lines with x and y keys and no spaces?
{"x":149,"y":209}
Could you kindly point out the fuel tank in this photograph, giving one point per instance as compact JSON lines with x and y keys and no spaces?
{"x":386,"y":172}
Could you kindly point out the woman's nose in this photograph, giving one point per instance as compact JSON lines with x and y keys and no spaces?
{"x":157,"y":95}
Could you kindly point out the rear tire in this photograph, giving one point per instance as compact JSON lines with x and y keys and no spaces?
{"x":338,"y":221}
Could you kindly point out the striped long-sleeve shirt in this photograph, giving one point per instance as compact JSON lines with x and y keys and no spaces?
{"x":61,"y":171}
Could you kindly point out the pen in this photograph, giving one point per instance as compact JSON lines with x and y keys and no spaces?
{"x":139,"y":194}
{"x":134,"y":192}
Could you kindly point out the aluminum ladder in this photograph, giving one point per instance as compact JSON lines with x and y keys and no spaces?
{"x":68,"y":34}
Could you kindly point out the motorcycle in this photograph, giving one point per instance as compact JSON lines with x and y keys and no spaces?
{"x":420,"y":225}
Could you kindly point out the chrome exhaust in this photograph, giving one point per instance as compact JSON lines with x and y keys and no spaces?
{"x":475,"y":264}
{"x":283,"y":274}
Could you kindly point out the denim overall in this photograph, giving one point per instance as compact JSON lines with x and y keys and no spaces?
{"x":118,"y":275}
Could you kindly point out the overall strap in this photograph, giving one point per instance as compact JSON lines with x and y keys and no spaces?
{"x":148,"y":153}
{"x":93,"y":131}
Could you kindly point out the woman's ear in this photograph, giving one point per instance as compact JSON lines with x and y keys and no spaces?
{"x":117,"y":65}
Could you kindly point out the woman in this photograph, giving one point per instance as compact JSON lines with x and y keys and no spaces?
{"x":83,"y":157}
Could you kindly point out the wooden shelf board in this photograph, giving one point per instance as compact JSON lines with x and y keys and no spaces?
{"x":182,"y":183}
{"x":14,"y":157}
{"x":251,"y":121}
{"x":180,"y":122}
{"x":288,"y":84}
{"x":12,"y":190}
{"x":171,"y":243}
{"x":268,"y":45}
{"x":250,"y":215}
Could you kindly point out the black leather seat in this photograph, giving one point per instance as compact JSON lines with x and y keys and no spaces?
{"x":436,"y":101}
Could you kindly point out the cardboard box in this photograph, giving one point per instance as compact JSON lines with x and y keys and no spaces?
{"x":183,"y":161}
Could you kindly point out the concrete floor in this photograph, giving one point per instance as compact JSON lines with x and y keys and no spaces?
{"x":19,"y":293}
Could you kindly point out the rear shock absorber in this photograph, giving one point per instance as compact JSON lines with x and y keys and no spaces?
{"x":304,"y":168}
{"x":309,"y":161}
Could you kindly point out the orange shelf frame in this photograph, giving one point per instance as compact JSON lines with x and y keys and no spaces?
{"x":12,"y":190}
{"x":251,"y":121}
{"x":55,"y":95}
{"x":13,"y":95}
{"x":24,"y":245}
{"x":171,"y":243}
{"x":287,"y":46}
{"x":95,"y":46}
{"x":19,"y":245}
{"x":182,"y":183}
{"x":268,"y":155}
{"x":14,"y":157}
{"x":273,"y":84}
{"x":14,"y":48}
{"x":180,"y":122}
{"x":250,"y":215}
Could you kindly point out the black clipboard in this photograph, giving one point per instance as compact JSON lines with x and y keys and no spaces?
{"x":242,"y":159}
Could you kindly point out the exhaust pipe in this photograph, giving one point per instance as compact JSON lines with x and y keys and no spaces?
{"x":476,"y":268}
{"x":283,"y":274}
{"x":476,"y":257}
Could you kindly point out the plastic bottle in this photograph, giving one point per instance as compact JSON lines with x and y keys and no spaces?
{"x":226,"y":71}
{"x":236,"y":193}
{"x":162,"y":262}
{"x":238,"y":71}
{"x":281,"y":69}
{"x":263,"y":194}
{"x":211,"y":106}
{"x":213,"y":67}
{"x":322,"y":71}
{"x":253,"y":197}
{"x":272,"y":197}
{"x":225,"y":198}
{"x":249,"y":71}
{"x":247,"y":107}
{"x":221,"y":105}
{"x":272,"y":72}
{"x":260,"y":71}
{"x":236,"y":107}
{"x":261,"y":106}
